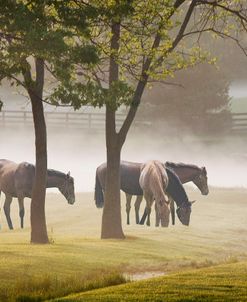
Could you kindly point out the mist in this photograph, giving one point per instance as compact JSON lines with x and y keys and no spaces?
{"x":80,"y":152}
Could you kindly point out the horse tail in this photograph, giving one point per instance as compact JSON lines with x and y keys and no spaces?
{"x":98,"y":193}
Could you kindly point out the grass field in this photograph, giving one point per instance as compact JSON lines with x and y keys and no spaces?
{"x":78,"y":260}
{"x":220,"y":283}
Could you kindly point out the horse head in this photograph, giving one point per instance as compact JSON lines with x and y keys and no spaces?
{"x":201,"y":181}
{"x":163,"y":212}
{"x":184,"y":211}
{"x":67,"y":188}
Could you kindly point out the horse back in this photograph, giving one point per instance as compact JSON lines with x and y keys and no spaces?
{"x":129,"y":178}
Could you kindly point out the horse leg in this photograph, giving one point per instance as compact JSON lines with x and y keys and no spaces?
{"x":137,"y":207}
{"x":148,"y":208}
{"x":6,"y":208}
{"x":21,"y":210}
{"x":172,"y":209}
{"x":157,"y":217}
{"x":128,"y":206}
{"x":148,"y":214}
{"x":144,"y":216}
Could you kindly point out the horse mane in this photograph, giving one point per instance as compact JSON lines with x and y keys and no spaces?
{"x":172,"y":165}
{"x":51,"y":172}
{"x":155,"y":178}
{"x":176,"y":189}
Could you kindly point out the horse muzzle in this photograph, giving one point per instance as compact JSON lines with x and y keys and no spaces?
{"x":71,"y":201}
{"x":205,"y":192}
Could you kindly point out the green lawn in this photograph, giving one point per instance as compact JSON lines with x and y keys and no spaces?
{"x":219,"y":283}
{"x":78,"y":260}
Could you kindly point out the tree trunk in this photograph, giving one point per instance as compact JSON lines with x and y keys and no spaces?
{"x":111,"y":218}
{"x":38,"y":221}
{"x":35,"y":91}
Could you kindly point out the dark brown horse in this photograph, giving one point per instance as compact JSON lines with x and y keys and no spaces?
{"x":130,"y":174}
{"x":16,"y":180}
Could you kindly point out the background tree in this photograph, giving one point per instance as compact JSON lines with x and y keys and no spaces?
{"x":33,"y":46}
{"x":199,"y":102}
{"x":137,"y":42}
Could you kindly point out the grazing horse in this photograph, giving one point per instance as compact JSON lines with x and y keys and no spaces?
{"x":187,"y":173}
{"x":129,"y":183}
{"x":16,"y":180}
{"x":129,"y":177}
{"x":176,"y":193}
{"x":153,"y":181}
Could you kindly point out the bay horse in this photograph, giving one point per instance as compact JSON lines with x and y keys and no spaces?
{"x":153,"y":181}
{"x":129,"y":183}
{"x":16,"y":180}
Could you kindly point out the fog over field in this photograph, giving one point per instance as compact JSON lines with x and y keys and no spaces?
{"x":80,"y":152}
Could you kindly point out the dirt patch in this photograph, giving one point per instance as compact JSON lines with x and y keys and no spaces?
{"x":144,"y":275}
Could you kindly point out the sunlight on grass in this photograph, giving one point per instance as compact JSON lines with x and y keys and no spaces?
{"x":217,"y":234}
{"x":219,"y":283}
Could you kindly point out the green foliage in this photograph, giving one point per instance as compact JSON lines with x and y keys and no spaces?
{"x":78,"y":94}
{"x":32,"y":30}
{"x":74,"y":38}
{"x":84,"y":55}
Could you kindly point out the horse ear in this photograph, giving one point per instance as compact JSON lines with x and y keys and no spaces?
{"x":204,"y":169}
{"x":193,"y":201}
{"x":68,"y":174}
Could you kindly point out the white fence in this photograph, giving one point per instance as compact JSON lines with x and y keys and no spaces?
{"x":95,"y":121}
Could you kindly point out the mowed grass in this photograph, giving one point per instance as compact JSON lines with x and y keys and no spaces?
{"x":78,"y":260}
{"x":219,"y":283}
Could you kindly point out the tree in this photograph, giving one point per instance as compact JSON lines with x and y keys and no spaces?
{"x":138,"y":42}
{"x":32,"y":41}
{"x":198,"y":101}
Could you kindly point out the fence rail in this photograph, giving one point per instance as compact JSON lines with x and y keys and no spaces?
{"x":239,"y":123}
{"x":67,"y":119}
{"x":94,"y":121}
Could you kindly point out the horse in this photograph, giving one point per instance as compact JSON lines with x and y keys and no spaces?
{"x":187,"y":173}
{"x":129,"y":177}
{"x":153,"y":181}
{"x":129,"y":183}
{"x":176,"y":193}
{"x":16,"y":180}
